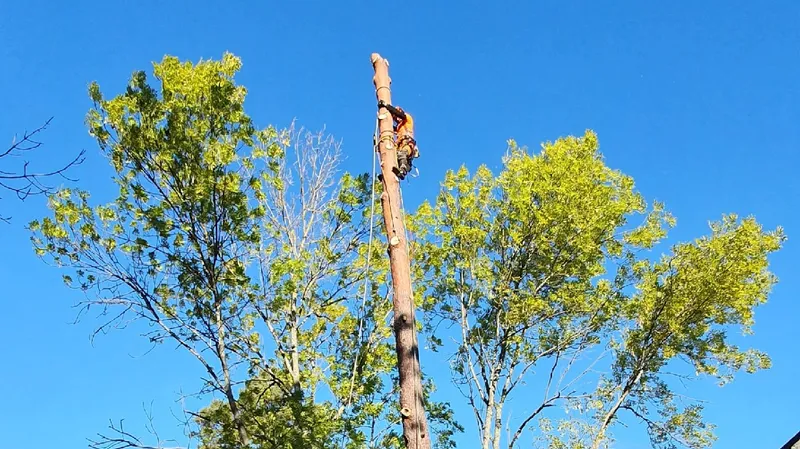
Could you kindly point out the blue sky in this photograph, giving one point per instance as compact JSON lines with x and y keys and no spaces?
{"x":698,"y":101}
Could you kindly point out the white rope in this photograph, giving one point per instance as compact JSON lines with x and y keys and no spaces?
{"x":363,"y":307}
{"x":371,"y":227}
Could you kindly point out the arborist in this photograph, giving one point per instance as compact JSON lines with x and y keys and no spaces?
{"x":407,"y":149}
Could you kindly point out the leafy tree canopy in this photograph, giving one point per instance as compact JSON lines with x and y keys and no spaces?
{"x":248,"y":249}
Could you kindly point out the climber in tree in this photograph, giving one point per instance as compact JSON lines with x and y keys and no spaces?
{"x":407,"y":149}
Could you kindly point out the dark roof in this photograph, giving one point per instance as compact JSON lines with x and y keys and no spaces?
{"x":794,"y":443}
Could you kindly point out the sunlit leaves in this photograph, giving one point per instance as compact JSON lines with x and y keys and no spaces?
{"x":685,"y":299}
{"x":247,"y":247}
{"x":545,"y":260}
{"x":193,"y":227}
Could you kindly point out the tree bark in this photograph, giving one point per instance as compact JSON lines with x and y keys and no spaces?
{"x":498,"y":425}
{"x":415,"y":426}
{"x":294,"y":341}
{"x":487,"y":424}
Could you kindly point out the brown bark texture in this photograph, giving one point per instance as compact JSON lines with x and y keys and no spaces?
{"x":415,"y":426}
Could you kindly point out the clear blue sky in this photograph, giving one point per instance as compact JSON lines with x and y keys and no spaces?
{"x":698,"y":100}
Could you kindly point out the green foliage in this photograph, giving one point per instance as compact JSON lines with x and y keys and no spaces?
{"x":246,"y":248}
{"x":683,"y":309}
{"x":566,"y":434}
{"x":173,"y":247}
{"x":541,"y":265}
{"x":686,"y":302}
{"x":168,"y":247}
{"x":274,"y":419}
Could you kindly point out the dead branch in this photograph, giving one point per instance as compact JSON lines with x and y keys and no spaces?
{"x":23,"y":182}
{"x":119,"y":438}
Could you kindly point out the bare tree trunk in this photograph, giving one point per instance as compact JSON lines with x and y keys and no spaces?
{"x":415,"y":426}
{"x":487,"y":424}
{"x":498,"y":425}
{"x":294,"y":341}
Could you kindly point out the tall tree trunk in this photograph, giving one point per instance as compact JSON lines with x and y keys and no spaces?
{"x":415,"y":425}
{"x":487,"y":427}
{"x":498,"y":425}
{"x":489,"y":417}
{"x":295,"y":344}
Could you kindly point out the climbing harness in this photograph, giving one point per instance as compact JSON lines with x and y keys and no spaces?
{"x":402,"y":137}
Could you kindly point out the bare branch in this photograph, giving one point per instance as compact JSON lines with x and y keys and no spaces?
{"x":119,"y":438}
{"x":23,"y":182}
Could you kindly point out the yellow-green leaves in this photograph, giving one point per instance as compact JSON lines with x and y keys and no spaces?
{"x":529,"y":240}
{"x":175,"y":246}
{"x":220,"y":242}
{"x":518,"y":263}
{"x":683,"y":309}
{"x":687,"y":299}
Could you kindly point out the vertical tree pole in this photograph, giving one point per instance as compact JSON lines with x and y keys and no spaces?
{"x":415,"y":425}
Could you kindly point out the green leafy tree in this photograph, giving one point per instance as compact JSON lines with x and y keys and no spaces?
{"x":173,"y":247}
{"x":247,"y":248}
{"x":272,"y":420}
{"x":308,"y":273}
{"x":683,"y":307}
{"x":542,"y":271}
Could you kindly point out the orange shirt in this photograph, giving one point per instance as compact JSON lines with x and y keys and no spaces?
{"x":406,"y":127}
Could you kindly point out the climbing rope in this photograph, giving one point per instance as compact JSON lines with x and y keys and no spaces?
{"x":362,"y":308}
{"x":369,"y":245}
